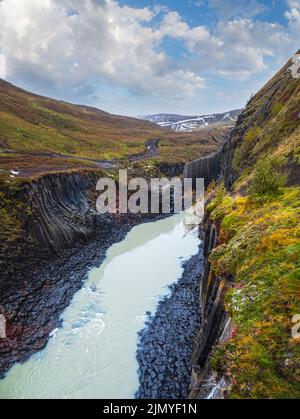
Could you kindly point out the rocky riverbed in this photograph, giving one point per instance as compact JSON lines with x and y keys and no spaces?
{"x":166,"y":344}
{"x":33,"y":301}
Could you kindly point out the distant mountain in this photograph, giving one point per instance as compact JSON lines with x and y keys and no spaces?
{"x":180,"y":123}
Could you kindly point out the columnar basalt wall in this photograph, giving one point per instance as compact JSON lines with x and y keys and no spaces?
{"x":207,"y":168}
{"x":171,"y":170}
{"x":55,"y":212}
{"x":62,"y":214}
{"x":215,"y":324}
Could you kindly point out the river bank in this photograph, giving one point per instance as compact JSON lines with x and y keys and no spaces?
{"x":34,"y":302}
{"x":166,"y":344}
{"x":93,"y":353}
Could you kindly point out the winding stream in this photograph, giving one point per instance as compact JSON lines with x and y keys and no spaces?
{"x":93,"y":355}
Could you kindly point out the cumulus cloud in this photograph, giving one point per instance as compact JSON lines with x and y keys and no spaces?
{"x":79,"y":44}
{"x":251,"y":43}
{"x":2,"y":67}
{"x":293,"y":16}
{"x":237,"y":48}
{"x":70,"y":42}
{"x":175,"y":27}
{"x":228,"y":9}
{"x":71,"y":45}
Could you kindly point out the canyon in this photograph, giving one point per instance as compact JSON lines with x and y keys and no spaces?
{"x":62,"y":215}
{"x":219,"y":308}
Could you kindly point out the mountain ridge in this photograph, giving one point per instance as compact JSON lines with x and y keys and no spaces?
{"x":190,"y":123}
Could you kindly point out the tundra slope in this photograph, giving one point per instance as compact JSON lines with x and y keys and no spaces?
{"x":250,"y":288}
{"x":41,"y":135}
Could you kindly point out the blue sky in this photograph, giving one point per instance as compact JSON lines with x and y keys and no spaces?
{"x":139,"y":57}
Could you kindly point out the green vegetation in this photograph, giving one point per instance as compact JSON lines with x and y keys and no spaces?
{"x":36,"y":128}
{"x":277,"y":108}
{"x":267,"y":178}
{"x":270,"y":126}
{"x":184,"y":147}
{"x":30,"y":123}
{"x":12,"y":214}
{"x":259,"y":246}
{"x":252,"y":137}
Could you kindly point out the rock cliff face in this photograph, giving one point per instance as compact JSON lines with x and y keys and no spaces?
{"x":215,"y":324}
{"x":54,"y":213}
{"x":62,"y":213}
{"x":62,"y":237}
{"x":207,"y":167}
{"x":269,"y":126}
{"x":171,"y":170}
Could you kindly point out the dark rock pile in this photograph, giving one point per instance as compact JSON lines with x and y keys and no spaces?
{"x":166,"y":345}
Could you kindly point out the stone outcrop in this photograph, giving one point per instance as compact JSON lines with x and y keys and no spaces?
{"x":57,"y":212}
{"x":171,"y":170}
{"x":62,"y":211}
{"x":215,"y":324}
{"x":207,"y":167}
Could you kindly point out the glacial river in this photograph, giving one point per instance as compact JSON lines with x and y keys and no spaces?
{"x":93,"y":354}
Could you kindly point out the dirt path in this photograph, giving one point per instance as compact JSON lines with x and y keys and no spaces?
{"x":150,"y":152}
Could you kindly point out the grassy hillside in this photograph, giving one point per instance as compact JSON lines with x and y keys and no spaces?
{"x":258,"y":218}
{"x":32,"y":123}
{"x":34,"y":129}
{"x":184,"y":147}
{"x":40,"y":136}
{"x":270,"y":126}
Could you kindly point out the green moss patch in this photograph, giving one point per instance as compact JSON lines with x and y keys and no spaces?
{"x":259,"y":244}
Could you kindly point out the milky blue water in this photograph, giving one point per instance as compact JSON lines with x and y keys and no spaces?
{"x":93,"y":355}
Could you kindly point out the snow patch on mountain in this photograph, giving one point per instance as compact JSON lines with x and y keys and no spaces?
{"x":180,"y":123}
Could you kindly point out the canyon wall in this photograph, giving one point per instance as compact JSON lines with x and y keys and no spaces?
{"x":62,"y":210}
{"x":47,"y":216}
{"x":216,"y":325}
{"x":207,"y":167}
{"x":171,"y":169}
{"x":262,"y":147}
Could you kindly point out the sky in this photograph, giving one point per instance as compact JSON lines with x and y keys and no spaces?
{"x":138,"y":57}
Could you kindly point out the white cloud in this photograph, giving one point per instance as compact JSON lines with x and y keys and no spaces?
{"x":294,"y":3}
{"x":79,"y":44}
{"x":229,"y":9}
{"x":250,"y":44}
{"x":2,"y":67}
{"x":175,"y":27}
{"x":293,"y":16}
{"x":70,"y":42}
{"x":98,"y":39}
{"x":238,"y":48}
